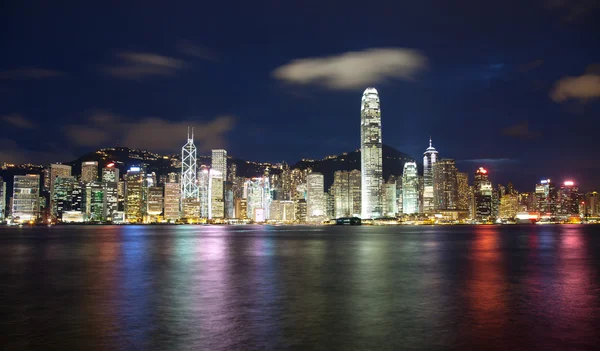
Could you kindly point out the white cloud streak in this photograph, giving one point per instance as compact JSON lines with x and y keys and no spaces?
{"x":138,"y":65}
{"x":355,"y":69}
{"x":584,"y":87}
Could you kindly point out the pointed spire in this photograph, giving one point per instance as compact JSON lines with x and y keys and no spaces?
{"x":430,"y":141}
{"x":188,"y":133}
{"x":192,"y":133}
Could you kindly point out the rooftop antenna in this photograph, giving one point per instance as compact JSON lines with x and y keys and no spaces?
{"x":188,"y":133}
{"x":192,"y":132}
{"x":429,"y":140}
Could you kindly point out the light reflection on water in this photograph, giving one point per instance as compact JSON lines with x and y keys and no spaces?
{"x":262,"y":287}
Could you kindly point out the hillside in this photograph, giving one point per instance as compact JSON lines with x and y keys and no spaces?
{"x":393,"y":164}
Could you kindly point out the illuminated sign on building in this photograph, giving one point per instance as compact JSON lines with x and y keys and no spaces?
{"x":135,"y":169}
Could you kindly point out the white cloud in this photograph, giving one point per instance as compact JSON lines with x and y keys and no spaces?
{"x":354,"y":69}
{"x":582,"y":87}
{"x":151,"y":133}
{"x":138,"y":65}
{"x":18,"y":121}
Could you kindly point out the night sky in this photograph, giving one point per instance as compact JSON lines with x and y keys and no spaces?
{"x":510,"y":85}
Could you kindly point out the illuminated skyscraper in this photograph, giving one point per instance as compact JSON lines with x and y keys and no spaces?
{"x":483,"y":195}
{"x":203,"y":194}
{"x":57,"y":170}
{"x":509,"y":206}
{"x":172,"y":201}
{"x":110,"y":173}
{"x":371,"y":155}
{"x":568,"y":199}
{"x":219,"y":162}
{"x":134,"y":199}
{"x":89,"y":172}
{"x":390,"y":204}
{"x":462,"y":183}
{"x":430,"y":157}
{"x":445,"y":193}
{"x":2,"y":200}
{"x":63,"y":195}
{"x":315,"y":197}
{"x":216,"y":204}
{"x":346,"y":193}
{"x":189,"y":185}
{"x":545,"y":197}
{"x":26,"y":197}
{"x":154,"y":205}
{"x":410,"y":188}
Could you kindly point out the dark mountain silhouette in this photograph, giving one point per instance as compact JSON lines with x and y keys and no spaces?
{"x":393,"y":164}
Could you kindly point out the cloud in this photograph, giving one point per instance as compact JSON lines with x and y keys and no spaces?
{"x":11,"y":152}
{"x":354,"y":69}
{"x":520,"y":131}
{"x":29,"y":73}
{"x":150,"y":133}
{"x":18,"y":121}
{"x":138,"y":65}
{"x":188,"y":48}
{"x":584,"y":87}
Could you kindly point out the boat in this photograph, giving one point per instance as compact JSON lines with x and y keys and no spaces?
{"x":348,"y":221}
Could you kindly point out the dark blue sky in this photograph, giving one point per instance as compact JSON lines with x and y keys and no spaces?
{"x":488,"y":80}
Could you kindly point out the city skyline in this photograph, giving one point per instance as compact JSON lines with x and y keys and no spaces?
{"x":490,"y":89}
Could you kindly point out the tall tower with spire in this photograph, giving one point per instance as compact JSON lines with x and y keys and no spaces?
{"x":371,"y":159}
{"x":430,"y":157}
{"x":189,"y":184}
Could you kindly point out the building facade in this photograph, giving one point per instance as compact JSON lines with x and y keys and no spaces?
{"x":26,"y":197}
{"x":315,"y":197}
{"x":445,"y":192}
{"x":371,"y":155}
{"x":430,"y":157}
{"x":410,"y":189}
{"x":89,"y":172}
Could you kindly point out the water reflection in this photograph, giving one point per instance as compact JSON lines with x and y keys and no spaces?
{"x":221,"y":288}
{"x":486,"y":290}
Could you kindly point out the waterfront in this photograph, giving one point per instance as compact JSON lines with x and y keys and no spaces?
{"x":333,"y":287}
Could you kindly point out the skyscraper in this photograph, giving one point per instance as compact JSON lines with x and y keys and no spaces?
{"x":315,"y":197}
{"x":2,"y":199}
{"x":445,"y":192}
{"x":63,"y":195}
{"x":430,"y":157}
{"x":483,"y":195}
{"x":219,"y":162}
{"x":172,"y":201}
{"x":189,"y":185}
{"x":371,"y":155}
{"x":155,"y":201}
{"x":56,"y":170}
{"x":26,"y":197}
{"x":568,"y":199}
{"x":462,"y":183}
{"x":390,"y":204}
{"x":410,"y":188}
{"x":545,"y":197}
{"x":110,"y":173}
{"x":89,"y":172}
{"x":134,"y":200}
{"x":346,"y":193}
{"x":216,"y":204}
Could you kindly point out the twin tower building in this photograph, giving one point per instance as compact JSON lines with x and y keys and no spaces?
{"x":372,"y":204}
